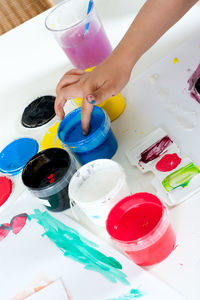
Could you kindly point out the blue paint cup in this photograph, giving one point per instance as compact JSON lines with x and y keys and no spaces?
{"x":100,"y":141}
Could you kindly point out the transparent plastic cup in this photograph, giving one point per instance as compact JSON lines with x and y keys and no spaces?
{"x":96,"y":187}
{"x":80,"y":35}
{"x":139,"y":225}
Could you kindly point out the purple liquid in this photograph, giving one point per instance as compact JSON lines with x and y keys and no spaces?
{"x":85,"y":51}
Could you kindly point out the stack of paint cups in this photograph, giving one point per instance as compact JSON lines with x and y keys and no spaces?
{"x":47,"y":176}
{"x":100,"y":141}
{"x":139,"y":225}
{"x":95,"y":188}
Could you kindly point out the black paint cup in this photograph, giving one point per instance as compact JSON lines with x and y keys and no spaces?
{"x":47,"y":176}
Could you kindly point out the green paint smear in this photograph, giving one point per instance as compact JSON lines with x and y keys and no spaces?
{"x":78,"y":248}
{"x":181,"y":177}
{"x":134,"y":293}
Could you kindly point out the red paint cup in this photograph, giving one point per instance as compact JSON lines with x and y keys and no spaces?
{"x":140,"y":226}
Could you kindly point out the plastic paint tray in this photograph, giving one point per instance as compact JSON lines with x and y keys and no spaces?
{"x":176,"y":195}
{"x":16,"y":154}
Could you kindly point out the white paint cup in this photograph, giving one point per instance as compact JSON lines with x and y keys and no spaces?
{"x":96,"y":187}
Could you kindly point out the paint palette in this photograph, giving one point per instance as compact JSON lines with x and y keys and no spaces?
{"x":177,"y":178}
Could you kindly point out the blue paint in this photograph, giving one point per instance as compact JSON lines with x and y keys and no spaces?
{"x":132,"y":294}
{"x":78,"y":248}
{"x":100,"y":141}
{"x":16,"y":154}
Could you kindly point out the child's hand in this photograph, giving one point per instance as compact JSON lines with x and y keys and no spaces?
{"x":104,"y":81}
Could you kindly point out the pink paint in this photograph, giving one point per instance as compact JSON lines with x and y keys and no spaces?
{"x":18,"y":222}
{"x":88,"y":50}
{"x":139,"y":225}
{"x":192,"y":80}
{"x":168,"y":162}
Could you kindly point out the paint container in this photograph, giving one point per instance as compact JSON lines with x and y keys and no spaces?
{"x":114,"y":106}
{"x":141,"y":228}
{"x":96,"y":187}
{"x":47,"y":176}
{"x":100,"y":141}
{"x":39,"y":112}
{"x":16,"y":154}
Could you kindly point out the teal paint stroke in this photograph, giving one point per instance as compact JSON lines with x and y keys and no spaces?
{"x":132,"y":294}
{"x":78,"y":248}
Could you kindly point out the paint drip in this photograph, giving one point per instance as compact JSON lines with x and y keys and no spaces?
{"x":39,"y":112}
{"x":76,"y":247}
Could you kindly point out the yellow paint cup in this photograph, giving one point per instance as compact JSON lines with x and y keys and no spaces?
{"x":114,"y":106}
{"x":50,"y":138}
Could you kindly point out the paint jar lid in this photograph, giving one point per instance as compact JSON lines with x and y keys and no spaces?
{"x":5,"y":189}
{"x":16,"y":154}
{"x":49,"y":158}
{"x":39,"y":112}
{"x":94,"y":138}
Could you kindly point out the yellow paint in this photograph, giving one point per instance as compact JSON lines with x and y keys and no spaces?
{"x":50,"y":138}
{"x":199,"y":46}
{"x":114,"y":106}
{"x":175,"y":60}
{"x":52,"y":25}
{"x":141,"y":132}
{"x":123,"y":131}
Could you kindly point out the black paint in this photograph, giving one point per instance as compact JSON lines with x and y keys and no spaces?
{"x":39,"y":112}
{"x":197,"y":85}
{"x":35,"y":175}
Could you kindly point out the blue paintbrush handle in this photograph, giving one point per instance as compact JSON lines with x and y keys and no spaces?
{"x":88,"y":11}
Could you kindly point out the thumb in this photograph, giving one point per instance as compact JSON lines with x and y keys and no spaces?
{"x":101,"y":94}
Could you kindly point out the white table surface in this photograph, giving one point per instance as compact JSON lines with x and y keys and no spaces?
{"x":31,"y":63}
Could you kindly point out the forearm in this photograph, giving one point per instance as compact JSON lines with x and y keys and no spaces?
{"x":153,"y":20}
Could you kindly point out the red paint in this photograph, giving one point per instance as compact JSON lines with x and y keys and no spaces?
{"x":51,"y":180}
{"x":50,"y":176}
{"x":168,"y":162}
{"x":139,"y":225}
{"x":18,"y":222}
{"x":5,"y":189}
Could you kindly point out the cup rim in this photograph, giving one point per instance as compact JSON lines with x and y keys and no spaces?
{"x":141,"y":239}
{"x":69,"y":27}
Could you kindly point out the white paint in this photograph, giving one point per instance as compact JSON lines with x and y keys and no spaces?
{"x":152,"y":79}
{"x":187,"y":119}
{"x":98,"y":185}
{"x":95,"y":188}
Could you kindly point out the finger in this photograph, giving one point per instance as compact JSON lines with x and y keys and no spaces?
{"x":65,"y":94}
{"x":86,"y":111}
{"x":104,"y":92}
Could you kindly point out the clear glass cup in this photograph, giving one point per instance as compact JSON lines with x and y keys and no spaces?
{"x":80,"y":35}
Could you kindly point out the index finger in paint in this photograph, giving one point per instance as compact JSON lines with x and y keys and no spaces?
{"x":86,"y":111}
